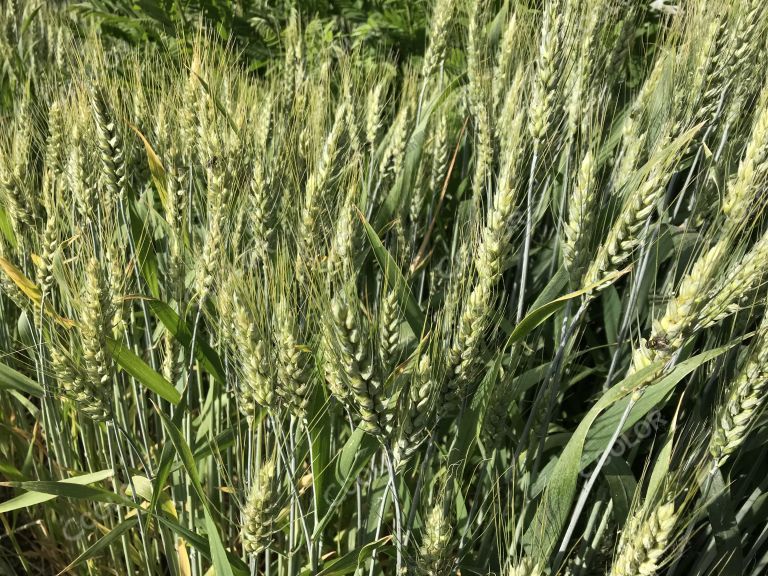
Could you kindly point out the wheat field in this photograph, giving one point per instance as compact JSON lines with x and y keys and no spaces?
{"x":471,"y":287}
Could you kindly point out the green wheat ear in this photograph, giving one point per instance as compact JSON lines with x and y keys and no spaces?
{"x":261,"y":511}
{"x":524,"y":567}
{"x":644,"y":541}
{"x":744,"y":397}
{"x":436,"y":550}
{"x":295,"y":363}
{"x":193,"y":316}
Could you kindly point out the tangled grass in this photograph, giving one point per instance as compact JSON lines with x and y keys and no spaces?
{"x":499,"y":309}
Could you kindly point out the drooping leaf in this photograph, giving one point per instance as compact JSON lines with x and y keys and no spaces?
{"x":722,"y":517}
{"x":156,"y":168}
{"x":207,"y":357}
{"x":140,"y":370}
{"x":539,"y":315}
{"x":31,"y":498}
{"x":218,"y":553}
{"x":395,"y":279}
{"x":554,"y":509}
{"x":32,"y":292}
{"x":69,"y":490}
{"x":354,"y":559}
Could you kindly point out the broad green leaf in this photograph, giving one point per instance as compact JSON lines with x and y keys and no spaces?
{"x":145,"y":249}
{"x":539,"y":315}
{"x":140,"y":370}
{"x":185,"y":454}
{"x":156,"y":168}
{"x":473,"y":417}
{"x":555,"y":506}
{"x":6,"y":229}
{"x":380,"y":498}
{"x":207,"y":357}
{"x":218,"y":553}
{"x":161,"y":476}
{"x":661,"y":464}
{"x":146,"y":490}
{"x":622,"y":485}
{"x":528,"y":379}
{"x":355,"y":455}
{"x":652,"y":397}
{"x":226,"y":438}
{"x":32,"y":498}
{"x":725,"y":527}
{"x":10,"y":379}
{"x":70,"y":490}
{"x":322,"y":471}
{"x":552,"y":289}
{"x":351,"y":561}
{"x":10,"y":471}
{"x":354,"y":452}
{"x":202,"y":545}
{"x":166,"y":459}
{"x":395,"y":279}
{"x":611,"y":313}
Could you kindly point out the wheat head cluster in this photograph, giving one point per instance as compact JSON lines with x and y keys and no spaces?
{"x":357,"y":312}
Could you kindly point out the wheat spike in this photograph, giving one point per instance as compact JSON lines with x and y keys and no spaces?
{"x":524,"y":567}
{"x":261,"y":511}
{"x":295,"y":364}
{"x":744,"y":397}
{"x":416,"y":411}
{"x":257,"y":380}
{"x":389,"y":328}
{"x":95,"y":326}
{"x":218,"y":195}
{"x":644,"y":541}
{"x":436,"y":551}
{"x":577,"y":227}
{"x":89,"y":398}
{"x":110,"y":146}
{"x":737,"y":283}
{"x":544,"y":103}
{"x":442,"y":14}
{"x":363,"y":387}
